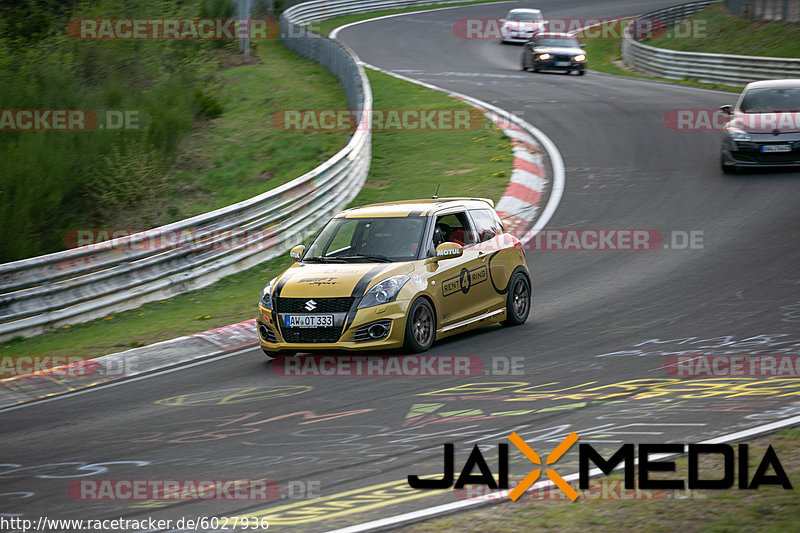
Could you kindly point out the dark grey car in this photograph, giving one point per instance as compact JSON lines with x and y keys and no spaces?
{"x":763,"y":129}
{"x":554,"y":51}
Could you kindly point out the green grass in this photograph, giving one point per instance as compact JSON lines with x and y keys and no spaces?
{"x":716,"y":31}
{"x":410,"y":164}
{"x":604,"y":54}
{"x":769,"y":508}
{"x":55,"y":181}
{"x":241,"y":154}
{"x":324,"y":27}
{"x":405,"y":165}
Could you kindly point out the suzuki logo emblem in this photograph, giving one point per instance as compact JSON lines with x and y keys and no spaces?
{"x":310,"y":305}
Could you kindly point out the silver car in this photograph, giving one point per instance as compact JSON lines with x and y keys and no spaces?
{"x":521,"y":24}
{"x":763,"y":128}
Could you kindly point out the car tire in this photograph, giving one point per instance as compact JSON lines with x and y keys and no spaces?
{"x":726,"y":169}
{"x":518,"y":300}
{"x":524,"y":66}
{"x":581,"y":72}
{"x":420,"y":326}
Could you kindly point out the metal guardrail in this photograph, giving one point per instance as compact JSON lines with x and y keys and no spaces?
{"x":733,"y":70}
{"x":89,"y":282}
{"x":769,"y":10}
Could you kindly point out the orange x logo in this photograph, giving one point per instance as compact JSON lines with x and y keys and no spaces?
{"x":554,"y":456}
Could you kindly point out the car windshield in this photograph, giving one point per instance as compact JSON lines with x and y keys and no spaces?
{"x":367,"y":240}
{"x":524,"y":17}
{"x":563,"y":42}
{"x":771,"y":100}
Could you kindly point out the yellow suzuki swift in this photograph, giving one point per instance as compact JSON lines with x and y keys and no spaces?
{"x":397,"y":275}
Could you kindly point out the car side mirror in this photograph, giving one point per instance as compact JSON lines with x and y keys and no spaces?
{"x":447,"y":250}
{"x":728,"y":110}
{"x":582,"y":45}
{"x":502,"y":21}
{"x":297,"y":252}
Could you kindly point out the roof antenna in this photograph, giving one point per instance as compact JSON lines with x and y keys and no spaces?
{"x":436,"y":194}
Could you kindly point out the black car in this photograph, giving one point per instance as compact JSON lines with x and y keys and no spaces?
{"x":763,"y":129}
{"x":554,"y":51}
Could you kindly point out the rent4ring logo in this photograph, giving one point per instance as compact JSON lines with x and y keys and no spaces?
{"x":650,"y":459}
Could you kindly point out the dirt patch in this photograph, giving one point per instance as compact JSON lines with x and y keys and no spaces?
{"x":264,"y":175}
{"x":462,"y":171}
{"x":378,"y":184}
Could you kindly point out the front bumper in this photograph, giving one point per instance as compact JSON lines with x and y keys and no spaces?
{"x":348,"y":333}
{"x":515,"y":36}
{"x":749,"y":154}
{"x":558,"y":64}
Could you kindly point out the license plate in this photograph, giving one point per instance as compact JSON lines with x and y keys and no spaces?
{"x":308,"y":321}
{"x":563,"y":63}
{"x":776,"y":148}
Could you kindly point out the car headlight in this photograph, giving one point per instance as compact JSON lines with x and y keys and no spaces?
{"x":266,"y":296}
{"x":384,"y":292}
{"x":737,"y":134}
{"x":580,"y":57}
{"x":543,"y":57}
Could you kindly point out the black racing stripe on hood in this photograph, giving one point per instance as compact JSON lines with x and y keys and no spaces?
{"x":276,"y":291}
{"x":359,"y":290}
{"x":279,"y":286}
{"x":361,"y":287}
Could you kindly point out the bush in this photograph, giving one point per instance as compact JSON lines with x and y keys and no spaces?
{"x":206,"y":105}
{"x":55,"y":181}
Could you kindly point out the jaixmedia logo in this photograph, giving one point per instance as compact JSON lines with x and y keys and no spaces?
{"x":649,"y":456}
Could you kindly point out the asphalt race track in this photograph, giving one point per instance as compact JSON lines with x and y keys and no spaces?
{"x":590,"y":360}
